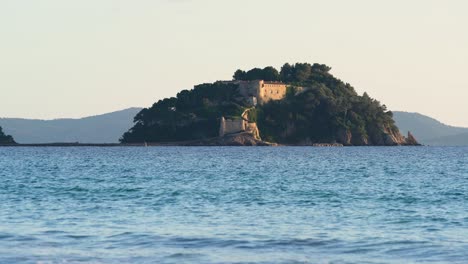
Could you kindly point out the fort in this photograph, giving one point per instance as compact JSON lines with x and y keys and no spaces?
{"x":234,"y":126}
{"x":239,"y":125}
{"x":256,"y":92}
{"x":262,"y":91}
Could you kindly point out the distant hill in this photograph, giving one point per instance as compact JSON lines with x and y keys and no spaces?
{"x":455,"y":140}
{"x":106,"y":128}
{"x":430,"y":131}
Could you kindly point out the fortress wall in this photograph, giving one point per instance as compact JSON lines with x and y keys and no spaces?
{"x":228,"y":126}
{"x":272,"y":91}
{"x":263,"y":91}
{"x":249,"y":88}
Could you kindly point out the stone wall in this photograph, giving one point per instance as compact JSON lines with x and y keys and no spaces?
{"x":263,"y":91}
{"x":249,"y":88}
{"x":229,"y":126}
{"x":271,"y":91}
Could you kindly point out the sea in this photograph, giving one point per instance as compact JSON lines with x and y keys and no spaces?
{"x":233,"y":205}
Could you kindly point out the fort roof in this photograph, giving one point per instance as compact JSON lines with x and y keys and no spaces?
{"x":241,"y":81}
{"x":279,"y":83}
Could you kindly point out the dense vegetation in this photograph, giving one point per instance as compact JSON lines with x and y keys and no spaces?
{"x":328,"y":110}
{"x":266,"y":74}
{"x":191,"y":115}
{"x":6,"y":139}
{"x":323,"y":109}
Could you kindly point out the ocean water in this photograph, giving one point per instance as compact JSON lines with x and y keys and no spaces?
{"x":234,"y":205}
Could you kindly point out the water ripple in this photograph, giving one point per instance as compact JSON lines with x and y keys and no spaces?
{"x":233,"y":205}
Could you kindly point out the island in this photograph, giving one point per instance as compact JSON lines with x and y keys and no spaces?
{"x":6,"y":139}
{"x":302,"y":104}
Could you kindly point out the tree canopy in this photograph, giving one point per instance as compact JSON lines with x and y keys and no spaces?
{"x":192,"y":114}
{"x":266,"y":74}
{"x":325,"y":111}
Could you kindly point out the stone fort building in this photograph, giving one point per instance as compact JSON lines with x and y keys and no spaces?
{"x":256,"y":92}
{"x":234,"y":126}
{"x":262,"y":91}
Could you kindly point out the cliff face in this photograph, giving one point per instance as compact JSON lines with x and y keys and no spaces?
{"x":343,"y":138}
{"x":387,"y":137}
{"x":383,"y":137}
{"x":411,"y":140}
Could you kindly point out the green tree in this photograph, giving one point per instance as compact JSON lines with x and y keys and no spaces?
{"x":271,"y":74}
{"x":239,"y":75}
{"x":193,"y":114}
{"x":286,"y":73}
{"x":266,"y":74}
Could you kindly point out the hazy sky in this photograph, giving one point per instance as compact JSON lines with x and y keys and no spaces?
{"x":73,"y":58}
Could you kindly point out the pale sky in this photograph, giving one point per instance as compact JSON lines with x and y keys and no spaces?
{"x":74,"y":58}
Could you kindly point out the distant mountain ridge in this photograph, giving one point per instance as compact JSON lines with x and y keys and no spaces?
{"x":105,"y":128}
{"x":455,"y":140}
{"x":108,"y":128}
{"x":430,"y":131}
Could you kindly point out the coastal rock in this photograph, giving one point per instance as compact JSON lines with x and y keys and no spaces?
{"x":393,"y":137}
{"x":359,"y":140}
{"x":386,"y":136}
{"x":344,"y":137}
{"x":411,"y":140}
{"x":238,"y":139}
{"x":241,"y":139}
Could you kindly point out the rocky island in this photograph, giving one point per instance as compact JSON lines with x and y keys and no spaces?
{"x":302,"y":104}
{"x":6,"y":139}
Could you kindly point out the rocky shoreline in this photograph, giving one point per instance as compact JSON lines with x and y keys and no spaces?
{"x":239,"y":139}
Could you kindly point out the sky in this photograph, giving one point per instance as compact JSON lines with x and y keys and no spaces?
{"x":68,"y":58}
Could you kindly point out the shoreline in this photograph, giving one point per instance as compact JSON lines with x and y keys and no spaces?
{"x":72,"y":145}
{"x":180,"y":145}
